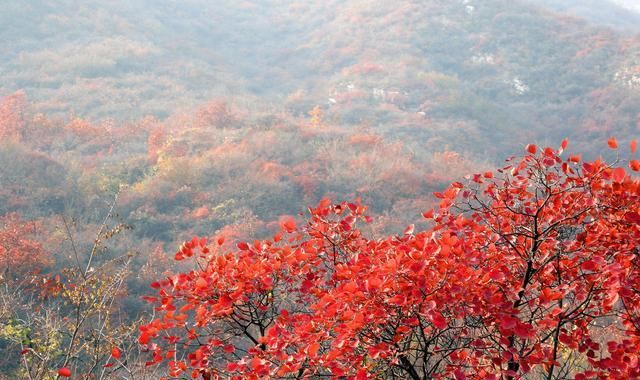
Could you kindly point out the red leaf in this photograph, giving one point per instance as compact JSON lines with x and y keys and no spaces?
{"x":409,"y":229}
{"x":547,"y":295}
{"x":548,"y":152}
{"x":589,"y":265}
{"x":64,"y":372}
{"x":523,"y":331}
{"x":201,"y":283}
{"x":225,"y":301}
{"x":438,"y":320}
{"x":634,"y":165}
{"x":116,"y":353}
{"x":633,"y":145}
{"x":508,"y":322}
{"x":144,"y":338}
{"x":632,"y":217}
{"x":373,"y":283}
{"x":618,"y":175}
{"x":613,"y":143}
{"x":288,"y":224}
{"x":428,"y":214}
{"x":313,"y":349}
{"x":531,"y":148}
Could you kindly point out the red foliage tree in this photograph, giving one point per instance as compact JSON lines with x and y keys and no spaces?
{"x":528,"y":271}
{"x":214,"y":113}
{"x":12,"y":119}
{"x":19,"y":252}
{"x":155,"y":142}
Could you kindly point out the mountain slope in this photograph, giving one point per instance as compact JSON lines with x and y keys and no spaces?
{"x":501,"y":67}
{"x":621,"y":15}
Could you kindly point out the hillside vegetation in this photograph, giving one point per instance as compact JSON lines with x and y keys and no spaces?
{"x":127,"y":128}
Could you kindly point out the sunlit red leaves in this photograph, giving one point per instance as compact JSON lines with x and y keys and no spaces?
{"x":64,"y":372}
{"x":116,"y":354}
{"x":515,"y":265}
{"x":574,"y":158}
{"x":563,"y":146}
{"x":439,"y":322}
{"x":549,"y":295}
{"x":201,"y":283}
{"x":531,"y":148}
{"x":288,"y":224}
{"x":312,"y":351}
{"x":176,"y":368}
{"x":187,"y":249}
{"x":618,"y":174}
{"x":409,"y":230}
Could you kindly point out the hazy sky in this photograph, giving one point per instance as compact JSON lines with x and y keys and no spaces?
{"x":629,"y":4}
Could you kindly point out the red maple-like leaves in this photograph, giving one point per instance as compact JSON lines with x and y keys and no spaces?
{"x":64,"y":372}
{"x":116,"y":353}
{"x":531,"y":148}
{"x":516,"y":275}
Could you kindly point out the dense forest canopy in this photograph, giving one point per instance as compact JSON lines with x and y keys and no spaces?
{"x":128,"y":128}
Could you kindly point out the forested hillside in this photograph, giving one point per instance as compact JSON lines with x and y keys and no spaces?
{"x":127,"y":128}
{"x":123,"y":62}
{"x":621,"y":15}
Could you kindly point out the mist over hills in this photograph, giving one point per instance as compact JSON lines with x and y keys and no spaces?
{"x":116,"y":60}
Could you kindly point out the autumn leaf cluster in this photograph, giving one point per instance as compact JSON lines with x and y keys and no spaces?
{"x":528,"y":270}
